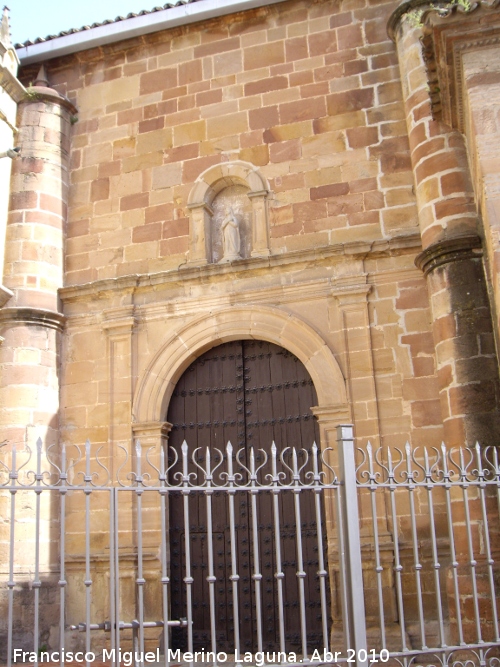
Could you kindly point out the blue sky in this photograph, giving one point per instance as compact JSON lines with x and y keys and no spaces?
{"x":38,"y":18}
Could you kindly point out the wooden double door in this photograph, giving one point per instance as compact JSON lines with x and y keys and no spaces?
{"x":250,"y":393}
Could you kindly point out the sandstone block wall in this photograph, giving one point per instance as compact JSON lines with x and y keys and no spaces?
{"x":307,"y":92}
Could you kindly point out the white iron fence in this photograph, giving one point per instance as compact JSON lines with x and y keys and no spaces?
{"x":333,"y":556}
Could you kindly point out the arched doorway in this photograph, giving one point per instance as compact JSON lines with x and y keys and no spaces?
{"x":252,"y":393}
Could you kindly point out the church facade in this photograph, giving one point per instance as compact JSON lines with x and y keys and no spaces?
{"x":250,"y":181}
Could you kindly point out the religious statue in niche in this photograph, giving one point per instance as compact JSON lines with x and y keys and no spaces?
{"x":231,"y":225}
{"x":231,"y":241}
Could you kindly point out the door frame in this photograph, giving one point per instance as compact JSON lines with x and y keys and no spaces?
{"x":245,"y":365}
{"x":181,"y":348}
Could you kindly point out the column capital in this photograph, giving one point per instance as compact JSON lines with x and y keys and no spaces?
{"x":35,"y":316}
{"x":335,"y":414}
{"x":119,"y":321}
{"x":449,"y":250}
{"x":147,"y":430}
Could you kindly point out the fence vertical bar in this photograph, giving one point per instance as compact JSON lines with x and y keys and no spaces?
{"x":234,"y":578}
{"x":112,"y":576}
{"x":352,"y":543}
{"x":279,"y":574}
{"x":140,"y":581}
{"x":376,"y":542}
{"x":465,"y":483}
{"x":88,"y":580}
{"x":257,"y":576}
{"x":62,"y":552}
{"x":481,"y":478}
{"x":36,"y":581}
{"x":322,"y":573}
{"x":116,"y":529}
{"x":164,"y":573}
{"x":417,"y":566}
{"x":435,"y":561}
{"x":10,"y":614}
{"x":211,"y":578}
{"x":496,"y":471}
{"x":398,"y":568}
{"x":346,"y":617}
{"x":188,"y":579}
{"x":301,"y":575}
{"x":447,"y":475}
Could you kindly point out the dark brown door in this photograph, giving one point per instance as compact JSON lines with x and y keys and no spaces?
{"x":251,"y":393}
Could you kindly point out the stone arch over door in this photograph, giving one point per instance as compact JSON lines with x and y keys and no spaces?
{"x":211,"y":183}
{"x":158,"y":381}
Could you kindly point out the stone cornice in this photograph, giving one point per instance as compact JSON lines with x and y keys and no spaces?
{"x":445,"y":62}
{"x":44,"y":94}
{"x":424,"y":7}
{"x":188,"y":273}
{"x":11,"y":84}
{"x":468,"y":25}
{"x":449,"y":250}
{"x":33,"y":316}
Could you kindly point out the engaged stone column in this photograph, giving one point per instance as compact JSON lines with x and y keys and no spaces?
{"x":452,"y":253}
{"x":31,"y":324}
{"x":32,"y":320}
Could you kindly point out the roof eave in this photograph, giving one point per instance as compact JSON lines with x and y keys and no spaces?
{"x":134,"y":27}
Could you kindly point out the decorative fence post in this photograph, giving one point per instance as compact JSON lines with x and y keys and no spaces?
{"x":350,"y":544}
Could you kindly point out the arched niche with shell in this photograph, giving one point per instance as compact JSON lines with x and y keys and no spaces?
{"x":228,"y":214}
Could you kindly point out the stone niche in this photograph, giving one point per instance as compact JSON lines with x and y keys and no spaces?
{"x":228,"y":215}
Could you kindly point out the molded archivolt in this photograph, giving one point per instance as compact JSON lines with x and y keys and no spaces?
{"x":159,"y":379}
{"x":206,"y":187}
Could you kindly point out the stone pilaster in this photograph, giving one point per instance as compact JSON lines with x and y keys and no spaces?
{"x":119,"y":325}
{"x":199,"y":234}
{"x":260,"y":227}
{"x":353,"y":306}
{"x":452,"y":256}
{"x":152,"y":438}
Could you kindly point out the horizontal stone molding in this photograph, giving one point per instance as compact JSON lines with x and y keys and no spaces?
{"x":33,"y":316}
{"x":133,"y":282}
{"x":447,"y":251}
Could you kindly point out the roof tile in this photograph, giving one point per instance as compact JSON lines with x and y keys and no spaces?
{"x":131,"y":15}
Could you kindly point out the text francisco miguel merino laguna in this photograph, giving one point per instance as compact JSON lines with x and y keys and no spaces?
{"x":128,"y":658}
